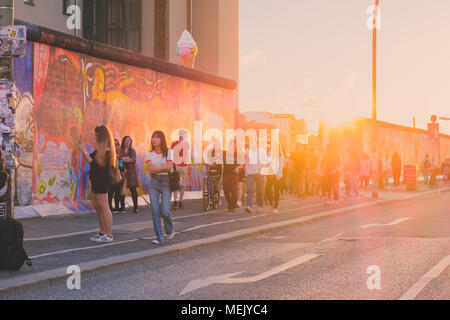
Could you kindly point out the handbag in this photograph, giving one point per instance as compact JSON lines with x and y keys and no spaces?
{"x":124,"y":187}
{"x":115,"y":175}
{"x":174,"y":179}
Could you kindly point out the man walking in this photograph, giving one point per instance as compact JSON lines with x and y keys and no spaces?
{"x":181,"y":159}
{"x":254,"y":178}
{"x":426,"y":165}
{"x":301,"y":169}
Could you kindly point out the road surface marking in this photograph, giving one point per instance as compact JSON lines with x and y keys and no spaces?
{"x":432,"y":274}
{"x":83,"y":248}
{"x":228,"y":278}
{"x":333,"y":238}
{"x":247,"y":218}
{"x":393,"y":223}
{"x":151,"y":238}
{"x":128,"y":225}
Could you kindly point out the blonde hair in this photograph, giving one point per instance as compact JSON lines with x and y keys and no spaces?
{"x":105,"y":141}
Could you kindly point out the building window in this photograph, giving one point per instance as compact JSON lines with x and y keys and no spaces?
{"x":65,"y":5}
{"x":114,"y":22}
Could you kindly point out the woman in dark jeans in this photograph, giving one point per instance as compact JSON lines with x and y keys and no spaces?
{"x":129,"y":156}
{"x":160,"y":164}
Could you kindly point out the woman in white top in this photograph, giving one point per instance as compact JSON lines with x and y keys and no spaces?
{"x":160,"y":163}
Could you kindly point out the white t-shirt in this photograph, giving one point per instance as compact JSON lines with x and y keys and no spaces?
{"x":253,"y":162}
{"x":157,"y":160}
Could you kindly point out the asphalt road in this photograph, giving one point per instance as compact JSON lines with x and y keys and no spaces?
{"x":399,"y":250}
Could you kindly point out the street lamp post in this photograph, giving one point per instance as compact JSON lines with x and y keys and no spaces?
{"x":374,"y":93}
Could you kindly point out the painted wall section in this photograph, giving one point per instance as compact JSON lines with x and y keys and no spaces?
{"x":73,"y":93}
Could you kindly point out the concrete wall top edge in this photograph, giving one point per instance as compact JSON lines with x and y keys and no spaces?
{"x":99,"y":50}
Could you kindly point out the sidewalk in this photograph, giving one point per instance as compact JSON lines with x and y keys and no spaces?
{"x":55,"y":243}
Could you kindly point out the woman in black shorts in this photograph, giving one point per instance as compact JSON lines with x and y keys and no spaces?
{"x":101,"y":160}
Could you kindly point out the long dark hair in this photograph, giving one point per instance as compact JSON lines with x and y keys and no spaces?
{"x":105,"y":140}
{"x":164,"y":149}
{"x":122,"y":146}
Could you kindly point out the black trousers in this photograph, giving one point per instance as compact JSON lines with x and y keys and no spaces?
{"x":134,"y":196}
{"x":273,"y":191}
{"x":119,"y":200}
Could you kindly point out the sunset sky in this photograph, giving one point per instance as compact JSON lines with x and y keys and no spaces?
{"x":311,"y":57}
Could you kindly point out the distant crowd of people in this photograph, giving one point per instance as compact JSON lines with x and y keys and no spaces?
{"x":260,"y":181}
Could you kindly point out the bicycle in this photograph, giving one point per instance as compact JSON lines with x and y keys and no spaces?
{"x":211,"y":191}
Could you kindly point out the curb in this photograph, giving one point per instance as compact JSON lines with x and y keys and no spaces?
{"x":49,"y":278}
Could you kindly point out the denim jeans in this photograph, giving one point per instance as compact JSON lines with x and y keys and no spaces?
{"x":253,"y":179}
{"x":160,"y":196}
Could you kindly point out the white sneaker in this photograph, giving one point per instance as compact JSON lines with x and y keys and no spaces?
{"x":274,"y":210}
{"x":104,"y":239}
{"x":95,"y":238}
{"x":249,"y":210}
{"x":171,"y":236}
{"x":239,"y":204}
{"x":156,"y":241}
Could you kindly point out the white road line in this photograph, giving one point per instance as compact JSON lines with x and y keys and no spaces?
{"x":432,"y":274}
{"x":128,"y":225}
{"x":115,"y":227}
{"x":393,"y":223}
{"x":81,"y":249}
{"x":332,"y":238}
{"x":247,"y":218}
{"x":151,"y":238}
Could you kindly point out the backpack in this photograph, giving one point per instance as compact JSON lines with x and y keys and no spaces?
{"x":12,"y":253}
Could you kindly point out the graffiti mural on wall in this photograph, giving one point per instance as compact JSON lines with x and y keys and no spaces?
{"x":23,"y":71}
{"x":73,"y":93}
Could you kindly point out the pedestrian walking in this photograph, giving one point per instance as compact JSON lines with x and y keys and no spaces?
{"x":241,"y":182}
{"x":273,"y":172}
{"x":284,"y":179}
{"x":301,"y":169}
{"x":181,"y":160}
{"x":387,"y":170}
{"x":129,"y":158}
{"x":231,"y":176}
{"x":313,"y":162}
{"x":365,"y":172}
{"x":160,"y":163}
{"x":254,"y":178}
{"x":426,"y":165}
{"x":446,"y":171}
{"x":354,"y":169}
{"x":396,"y":164}
{"x":331,"y":164}
{"x":101,"y":161}
{"x":116,"y":191}
{"x":380,"y":170}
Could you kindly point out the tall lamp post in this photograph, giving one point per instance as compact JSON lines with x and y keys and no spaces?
{"x":374,"y":93}
{"x":374,"y":78}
